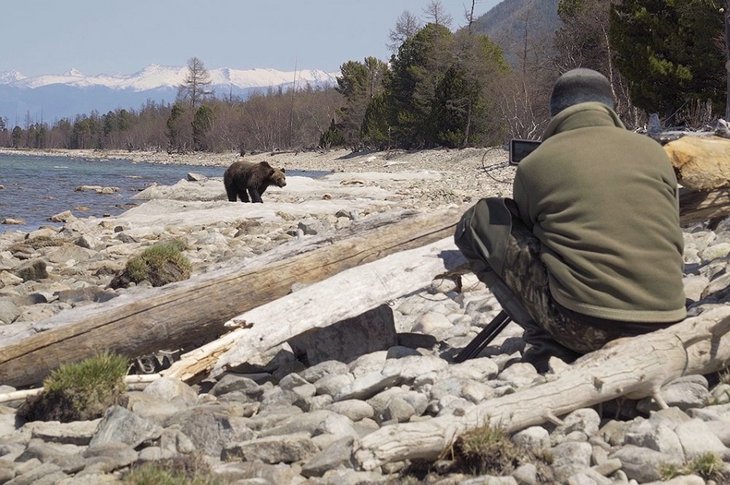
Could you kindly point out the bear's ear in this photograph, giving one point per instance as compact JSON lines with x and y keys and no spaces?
{"x":283,"y":170}
{"x":265,"y":164}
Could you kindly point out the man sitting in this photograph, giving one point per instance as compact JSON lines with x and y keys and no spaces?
{"x":590,"y":249}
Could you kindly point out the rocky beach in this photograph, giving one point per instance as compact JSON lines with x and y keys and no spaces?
{"x":303,"y":417}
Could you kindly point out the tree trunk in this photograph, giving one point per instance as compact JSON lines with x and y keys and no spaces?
{"x":357,"y":290}
{"x":634,"y":367}
{"x":193,"y":312}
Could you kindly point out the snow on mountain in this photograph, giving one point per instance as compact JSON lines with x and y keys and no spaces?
{"x":155,"y":76}
{"x":54,"y":96}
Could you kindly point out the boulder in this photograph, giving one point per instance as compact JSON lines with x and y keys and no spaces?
{"x":701,"y":163}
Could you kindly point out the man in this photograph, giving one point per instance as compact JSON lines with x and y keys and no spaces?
{"x":590,"y":249}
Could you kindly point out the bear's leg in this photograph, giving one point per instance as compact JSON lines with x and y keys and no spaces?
{"x":231,"y":193}
{"x":243,"y":195}
{"x":255,"y":195}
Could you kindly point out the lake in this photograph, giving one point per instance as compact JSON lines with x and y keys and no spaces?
{"x":36,"y":188}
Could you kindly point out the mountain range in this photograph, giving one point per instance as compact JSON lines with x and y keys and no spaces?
{"x":51,"y":97}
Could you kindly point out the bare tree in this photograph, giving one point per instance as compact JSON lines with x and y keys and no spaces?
{"x":469,"y":15}
{"x":405,"y":27}
{"x":436,"y":13}
{"x":196,"y":86}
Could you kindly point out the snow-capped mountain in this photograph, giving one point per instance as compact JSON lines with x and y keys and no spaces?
{"x":51,"y":97}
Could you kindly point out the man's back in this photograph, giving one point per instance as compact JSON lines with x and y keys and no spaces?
{"x":602,"y":201}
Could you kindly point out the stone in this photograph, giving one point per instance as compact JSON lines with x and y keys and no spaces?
{"x":172,"y":390}
{"x":337,"y":455}
{"x":432,"y":323}
{"x":120,"y":425}
{"x":9,"y":311}
{"x":697,"y":438}
{"x":408,"y":368}
{"x":346,"y":340}
{"x":210,"y":428}
{"x":33,"y":270}
{"x":231,"y":382}
{"x":642,"y":464}
{"x":534,"y":438}
{"x":75,"y":432}
{"x":702,"y":163}
{"x":366,"y":386}
{"x":107,"y":457}
{"x":272,"y":449}
{"x":329,"y":367}
{"x":353,"y":409}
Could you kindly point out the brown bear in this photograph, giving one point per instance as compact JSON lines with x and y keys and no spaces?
{"x":244,"y":178}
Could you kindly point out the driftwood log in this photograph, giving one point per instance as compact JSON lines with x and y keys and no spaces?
{"x":696,"y":206}
{"x":193,"y":312}
{"x":634,"y":367}
{"x":347,"y":294}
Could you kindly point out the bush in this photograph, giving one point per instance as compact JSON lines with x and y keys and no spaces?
{"x":79,"y":391}
{"x":159,"y":264}
{"x":707,"y":465}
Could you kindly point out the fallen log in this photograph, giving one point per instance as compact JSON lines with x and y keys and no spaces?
{"x":193,"y":312}
{"x":345,"y":295}
{"x":131,"y":379}
{"x":633,"y":367}
{"x":696,"y":206}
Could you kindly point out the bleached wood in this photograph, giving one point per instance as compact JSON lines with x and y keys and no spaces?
{"x":193,"y":312}
{"x":132,"y":379}
{"x":633,"y":367}
{"x":345,"y":295}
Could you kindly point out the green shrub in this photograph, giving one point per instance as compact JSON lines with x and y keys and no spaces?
{"x":79,"y":391}
{"x":159,"y":264}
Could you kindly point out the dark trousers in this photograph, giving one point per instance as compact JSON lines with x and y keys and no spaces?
{"x":524,"y":282}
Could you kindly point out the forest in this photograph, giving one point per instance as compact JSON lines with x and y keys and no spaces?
{"x":440,"y":88}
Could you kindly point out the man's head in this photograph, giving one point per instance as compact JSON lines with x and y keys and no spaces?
{"x":580,"y":86}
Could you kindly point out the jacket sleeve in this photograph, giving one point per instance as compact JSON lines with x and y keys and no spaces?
{"x":521,"y":197}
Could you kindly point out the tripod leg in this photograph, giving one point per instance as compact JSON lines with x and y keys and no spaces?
{"x":484,"y":337}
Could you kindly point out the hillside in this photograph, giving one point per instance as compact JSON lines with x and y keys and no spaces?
{"x":507,"y":22}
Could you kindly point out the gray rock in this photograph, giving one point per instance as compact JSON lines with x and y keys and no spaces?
{"x":210,"y":428}
{"x":8,"y":311}
{"x":75,"y":432}
{"x":525,"y":474}
{"x":655,"y":436}
{"x":34,"y":270}
{"x":353,"y":409}
{"x":272,"y":416}
{"x":366,"y":386}
{"x":336,"y":455}
{"x":172,"y":391}
{"x":272,"y":449}
{"x":45,"y":474}
{"x":697,"y":439}
{"x":334,"y":384}
{"x":408,"y":368}
{"x":290,"y":381}
{"x":534,"y":438}
{"x":230,"y":382}
{"x":643,"y":464}
{"x":107,"y":457}
{"x":397,"y":410}
{"x":368,"y":363}
{"x":312,"y":423}
{"x":346,"y":340}
{"x":572,"y":453}
{"x":520,"y":375}
{"x":120,"y":425}
{"x":322,"y":369}
{"x":586,"y":420}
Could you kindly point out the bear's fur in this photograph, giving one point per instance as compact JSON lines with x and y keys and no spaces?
{"x":247,"y":178}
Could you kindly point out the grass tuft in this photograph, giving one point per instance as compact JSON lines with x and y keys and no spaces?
{"x":159,"y":264}
{"x":707,"y":465}
{"x":186,"y":469}
{"x":79,"y":391}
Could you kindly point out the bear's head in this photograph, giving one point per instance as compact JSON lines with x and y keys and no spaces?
{"x":276,"y":176}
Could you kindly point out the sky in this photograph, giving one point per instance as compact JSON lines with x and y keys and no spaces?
{"x":124,"y":36}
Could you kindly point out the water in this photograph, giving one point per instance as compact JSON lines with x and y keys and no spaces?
{"x":37,"y":188}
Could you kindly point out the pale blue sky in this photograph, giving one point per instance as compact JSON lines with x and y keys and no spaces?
{"x":124,"y":36}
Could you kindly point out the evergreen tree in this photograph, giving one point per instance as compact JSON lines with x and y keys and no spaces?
{"x":202,"y":123}
{"x":671,"y":53}
{"x":359,"y":83}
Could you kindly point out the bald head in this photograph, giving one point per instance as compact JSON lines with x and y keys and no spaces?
{"x":580,"y":86}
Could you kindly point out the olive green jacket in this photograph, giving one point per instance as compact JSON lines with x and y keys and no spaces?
{"x":603,"y":202}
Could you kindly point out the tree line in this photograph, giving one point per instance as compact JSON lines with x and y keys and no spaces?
{"x":440,"y":88}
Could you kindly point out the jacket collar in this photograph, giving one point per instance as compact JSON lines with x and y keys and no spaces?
{"x":582,"y":115}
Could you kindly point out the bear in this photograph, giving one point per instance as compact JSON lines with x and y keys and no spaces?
{"x":244,"y":178}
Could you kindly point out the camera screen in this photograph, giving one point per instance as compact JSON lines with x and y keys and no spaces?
{"x":519,"y":149}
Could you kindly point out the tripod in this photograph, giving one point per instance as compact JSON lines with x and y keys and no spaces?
{"x":484,"y":337}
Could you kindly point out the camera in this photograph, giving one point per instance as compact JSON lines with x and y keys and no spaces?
{"x":519,"y":149}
